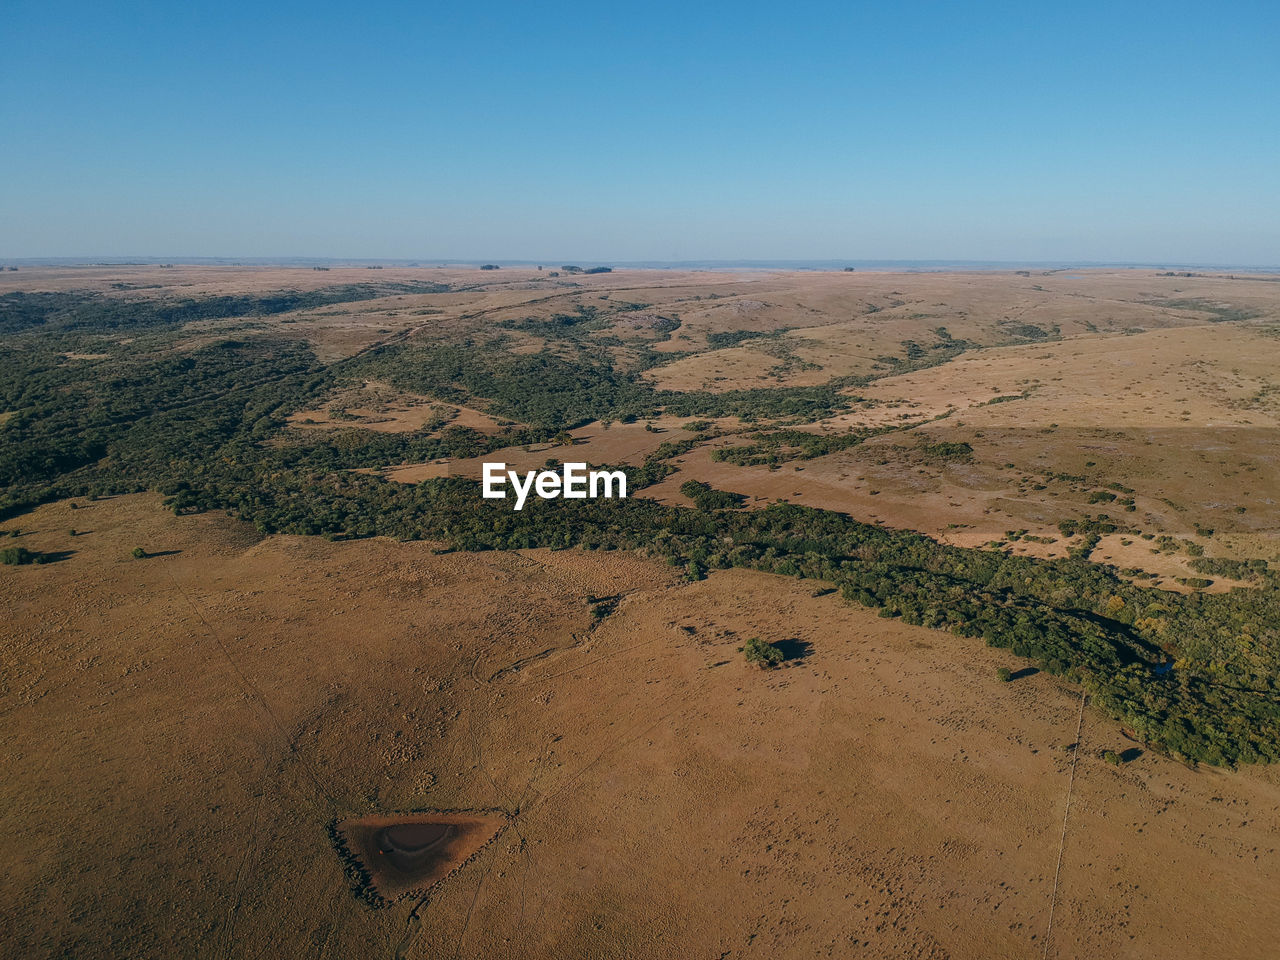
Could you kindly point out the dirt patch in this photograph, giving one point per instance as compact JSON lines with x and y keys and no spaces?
{"x":619,"y":443}
{"x":409,"y":853}
{"x":1171,"y":569}
{"x":384,"y":409}
{"x":646,"y":321}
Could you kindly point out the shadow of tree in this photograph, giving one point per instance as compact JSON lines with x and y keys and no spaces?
{"x":47,"y":556}
{"x":794,"y":648}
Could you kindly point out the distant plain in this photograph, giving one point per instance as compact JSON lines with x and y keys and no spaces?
{"x":183,"y":731}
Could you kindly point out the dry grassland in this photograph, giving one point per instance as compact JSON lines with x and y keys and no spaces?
{"x":181,"y":731}
{"x":184,"y":733}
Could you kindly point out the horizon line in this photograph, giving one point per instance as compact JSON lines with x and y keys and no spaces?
{"x":712,"y":263}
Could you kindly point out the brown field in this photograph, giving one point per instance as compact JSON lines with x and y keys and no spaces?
{"x":1188,"y":418}
{"x":1126,"y":409}
{"x":376,"y":406}
{"x":619,"y":443}
{"x":181,"y":732}
{"x":197,"y":744}
{"x":1143,"y":388}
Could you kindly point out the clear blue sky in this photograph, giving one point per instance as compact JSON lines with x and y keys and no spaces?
{"x":621,"y":131}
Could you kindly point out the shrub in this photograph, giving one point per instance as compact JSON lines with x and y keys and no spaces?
{"x":762,"y":653}
{"x":706,"y":497}
{"x":950,"y":451}
{"x":1196,"y":583}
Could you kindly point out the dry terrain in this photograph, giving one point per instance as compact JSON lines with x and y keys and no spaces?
{"x":206,"y":750}
{"x":181,"y":732}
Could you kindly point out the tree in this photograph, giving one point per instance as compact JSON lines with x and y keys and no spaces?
{"x":762,"y":653}
{"x":138,"y":553}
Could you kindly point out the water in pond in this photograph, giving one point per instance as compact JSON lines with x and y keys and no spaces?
{"x":411,"y":852}
{"x":411,"y":847}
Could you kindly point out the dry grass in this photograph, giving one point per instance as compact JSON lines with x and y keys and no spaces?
{"x":383,"y":409}
{"x":667,"y":800}
{"x":182,"y":731}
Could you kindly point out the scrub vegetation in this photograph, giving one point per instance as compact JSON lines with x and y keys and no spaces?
{"x":204,"y":422}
